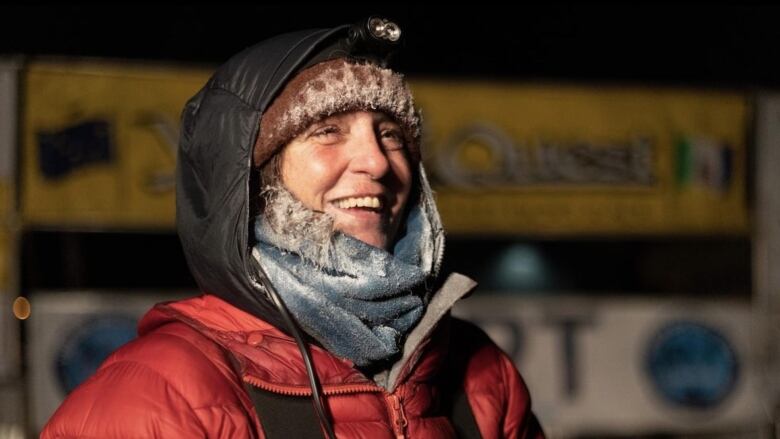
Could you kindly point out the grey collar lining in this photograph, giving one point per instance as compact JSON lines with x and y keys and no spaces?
{"x":454,"y":288}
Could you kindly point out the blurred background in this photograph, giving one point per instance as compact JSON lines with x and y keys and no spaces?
{"x":609,"y":173}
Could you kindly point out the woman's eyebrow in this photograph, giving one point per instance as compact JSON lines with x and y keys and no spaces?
{"x":380,"y":117}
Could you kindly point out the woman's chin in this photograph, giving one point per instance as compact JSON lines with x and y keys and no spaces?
{"x":373,"y":238}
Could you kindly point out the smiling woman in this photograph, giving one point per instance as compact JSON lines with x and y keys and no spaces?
{"x":307,"y":220}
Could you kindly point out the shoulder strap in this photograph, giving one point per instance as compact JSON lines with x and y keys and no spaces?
{"x":455,"y":402}
{"x":455,"y":405}
{"x":283,"y":416}
{"x":462,"y":417}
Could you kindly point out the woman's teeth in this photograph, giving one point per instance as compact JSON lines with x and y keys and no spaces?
{"x":370,"y":202}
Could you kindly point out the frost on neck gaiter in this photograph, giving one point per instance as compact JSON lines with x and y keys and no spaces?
{"x":302,"y":231}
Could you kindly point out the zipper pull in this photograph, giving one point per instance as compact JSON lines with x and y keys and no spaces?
{"x":398,"y":417}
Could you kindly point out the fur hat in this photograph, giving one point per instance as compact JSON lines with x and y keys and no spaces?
{"x":331,"y":87}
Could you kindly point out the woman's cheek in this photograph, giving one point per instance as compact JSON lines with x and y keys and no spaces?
{"x":324,"y":166}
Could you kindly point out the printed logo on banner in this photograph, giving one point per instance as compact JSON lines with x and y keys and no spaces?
{"x":704,"y":162}
{"x":484,"y":155}
{"x":88,"y":345}
{"x":61,"y":152}
{"x":161,"y":179}
{"x":692,"y":365}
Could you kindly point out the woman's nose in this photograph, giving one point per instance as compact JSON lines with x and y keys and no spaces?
{"x":369,"y":156}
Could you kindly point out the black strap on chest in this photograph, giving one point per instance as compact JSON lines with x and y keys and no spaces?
{"x":453,"y":401}
{"x":283,"y":416}
{"x":462,"y":417}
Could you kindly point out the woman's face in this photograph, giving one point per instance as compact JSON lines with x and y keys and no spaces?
{"x":354,"y":167}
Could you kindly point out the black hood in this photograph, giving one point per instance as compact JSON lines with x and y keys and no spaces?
{"x":215,"y":187}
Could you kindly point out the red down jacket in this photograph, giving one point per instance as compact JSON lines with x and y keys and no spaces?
{"x":175,"y":381}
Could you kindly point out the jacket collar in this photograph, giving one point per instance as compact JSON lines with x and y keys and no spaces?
{"x":270,"y":359}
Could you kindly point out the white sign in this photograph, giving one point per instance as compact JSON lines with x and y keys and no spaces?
{"x":622,"y":366}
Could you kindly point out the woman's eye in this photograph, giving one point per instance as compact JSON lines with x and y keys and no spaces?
{"x":325,"y":131}
{"x":392,"y":139}
{"x":327,"y":134}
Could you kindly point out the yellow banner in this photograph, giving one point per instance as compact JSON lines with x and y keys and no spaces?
{"x":567,"y":160}
{"x":99,"y":143}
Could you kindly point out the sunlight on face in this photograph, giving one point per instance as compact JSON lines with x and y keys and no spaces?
{"x":354,"y":167}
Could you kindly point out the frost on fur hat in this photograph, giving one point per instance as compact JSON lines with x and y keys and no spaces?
{"x":332,"y":87}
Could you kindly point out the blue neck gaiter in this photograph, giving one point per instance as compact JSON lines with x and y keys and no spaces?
{"x":358,"y":301}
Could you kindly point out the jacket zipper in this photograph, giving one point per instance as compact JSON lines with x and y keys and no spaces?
{"x":397,"y":415}
{"x":306,"y":391}
{"x":396,"y":408}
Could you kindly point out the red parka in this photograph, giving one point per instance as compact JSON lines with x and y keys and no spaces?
{"x":176,"y":381}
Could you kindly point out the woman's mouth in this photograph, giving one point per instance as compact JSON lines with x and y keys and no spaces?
{"x":365,"y":217}
{"x":369,"y":203}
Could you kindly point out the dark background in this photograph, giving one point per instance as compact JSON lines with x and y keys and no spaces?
{"x":731,"y":45}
